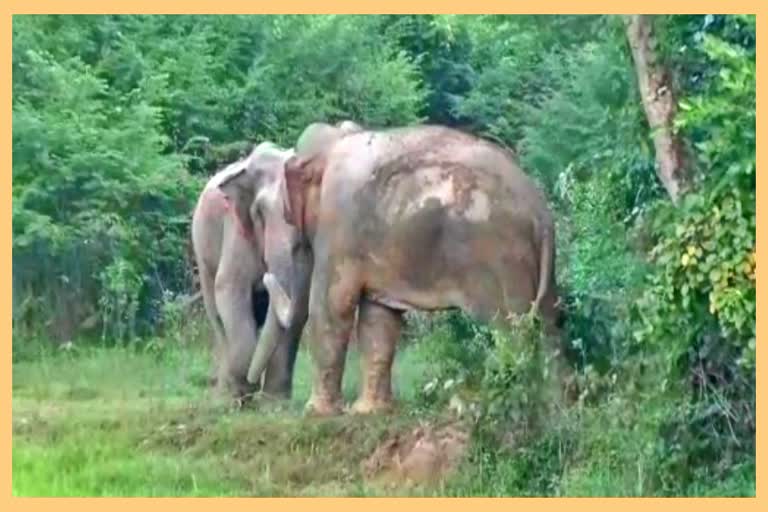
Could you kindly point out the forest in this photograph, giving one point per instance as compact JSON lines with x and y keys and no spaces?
{"x":639,"y":130}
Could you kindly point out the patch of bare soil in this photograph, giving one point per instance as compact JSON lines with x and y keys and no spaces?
{"x":422,"y":456}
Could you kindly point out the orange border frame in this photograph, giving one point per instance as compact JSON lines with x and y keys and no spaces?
{"x":11,"y":7}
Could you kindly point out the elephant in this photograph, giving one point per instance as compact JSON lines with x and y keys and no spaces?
{"x":229,"y":251}
{"x":256,"y":190}
{"x":419,"y":217}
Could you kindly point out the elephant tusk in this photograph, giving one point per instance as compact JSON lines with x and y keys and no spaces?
{"x":280,"y":312}
{"x":279,"y":298}
{"x":264,"y":350}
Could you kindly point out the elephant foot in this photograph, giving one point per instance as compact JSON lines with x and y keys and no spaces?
{"x":368,"y":406}
{"x":320,"y":407}
{"x":241,"y":393}
{"x":281,"y":391}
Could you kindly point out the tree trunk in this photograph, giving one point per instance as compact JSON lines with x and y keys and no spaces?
{"x":655,"y":86}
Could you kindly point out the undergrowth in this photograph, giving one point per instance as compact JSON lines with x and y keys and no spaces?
{"x":137,"y":421}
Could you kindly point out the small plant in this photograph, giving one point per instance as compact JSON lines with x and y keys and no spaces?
{"x":500,"y":375}
{"x":119,"y":302}
{"x":455,"y":348}
{"x":172,"y":315}
{"x":514,"y":375}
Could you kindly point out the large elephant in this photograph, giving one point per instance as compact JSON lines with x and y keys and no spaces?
{"x":229,"y":246}
{"x":414,"y":218}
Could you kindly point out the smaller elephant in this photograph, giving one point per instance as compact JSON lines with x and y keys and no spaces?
{"x":228,"y":250}
{"x":258,"y":193}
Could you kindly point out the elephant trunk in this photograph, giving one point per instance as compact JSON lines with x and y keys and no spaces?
{"x":286,"y":315}
{"x":268,"y":341}
{"x":275,"y":326}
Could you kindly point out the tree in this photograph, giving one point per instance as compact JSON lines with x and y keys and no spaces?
{"x":659,"y":102}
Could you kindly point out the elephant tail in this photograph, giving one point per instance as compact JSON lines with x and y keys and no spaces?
{"x":546,"y":264}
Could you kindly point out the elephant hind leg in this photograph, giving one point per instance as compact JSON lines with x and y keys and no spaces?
{"x":494,"y":295}
{"x":379,"y":330}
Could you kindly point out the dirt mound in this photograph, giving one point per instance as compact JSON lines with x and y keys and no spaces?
{"x":424,"y":455}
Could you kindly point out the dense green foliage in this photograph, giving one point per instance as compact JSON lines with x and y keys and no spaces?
{"x":660,"y":299}
{"x":118,"y":120}
{"x":697,"y":312}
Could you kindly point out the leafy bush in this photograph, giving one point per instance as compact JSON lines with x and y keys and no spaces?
{"x":498,"y":375}
{"x":698,"y":312}
{"x":113,"y":118}
{"x":668,"y":383}
{"x":586,"y":144}
{"x":705,"y":254}
{"x":89,"y":186}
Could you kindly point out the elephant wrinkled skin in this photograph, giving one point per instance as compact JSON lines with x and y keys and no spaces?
{"x":230,"y":252}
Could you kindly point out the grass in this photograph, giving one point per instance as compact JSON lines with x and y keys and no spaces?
{"x":126,"y":422}
{"x":98,"y":421}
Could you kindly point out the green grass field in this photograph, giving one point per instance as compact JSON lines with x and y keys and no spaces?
{"x":138,"y":422}
{"x":121,"y":422}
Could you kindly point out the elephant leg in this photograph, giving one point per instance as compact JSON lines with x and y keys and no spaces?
{"x":332,"y":309}
{"x":218,"y":343}
{"x":278,"y":376}
{"x":234,"y":305}
{"x":378,"y":331}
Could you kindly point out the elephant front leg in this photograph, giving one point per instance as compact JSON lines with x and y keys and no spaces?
{"x":234,"y":306}
{"x":278,"y":377}
{"x":329,"y":343}
{"x":378,"y":331}
{"x":332,"y":317}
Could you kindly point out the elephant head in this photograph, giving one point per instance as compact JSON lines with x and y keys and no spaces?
{"x":304,"y":171}
{"x":279,"y":205}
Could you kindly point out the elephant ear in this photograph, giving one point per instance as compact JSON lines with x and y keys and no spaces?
{"x":304,"y":172}
{"x":238,"y":189}
{"x":300,"y":175}
{"x":231,"y":184}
